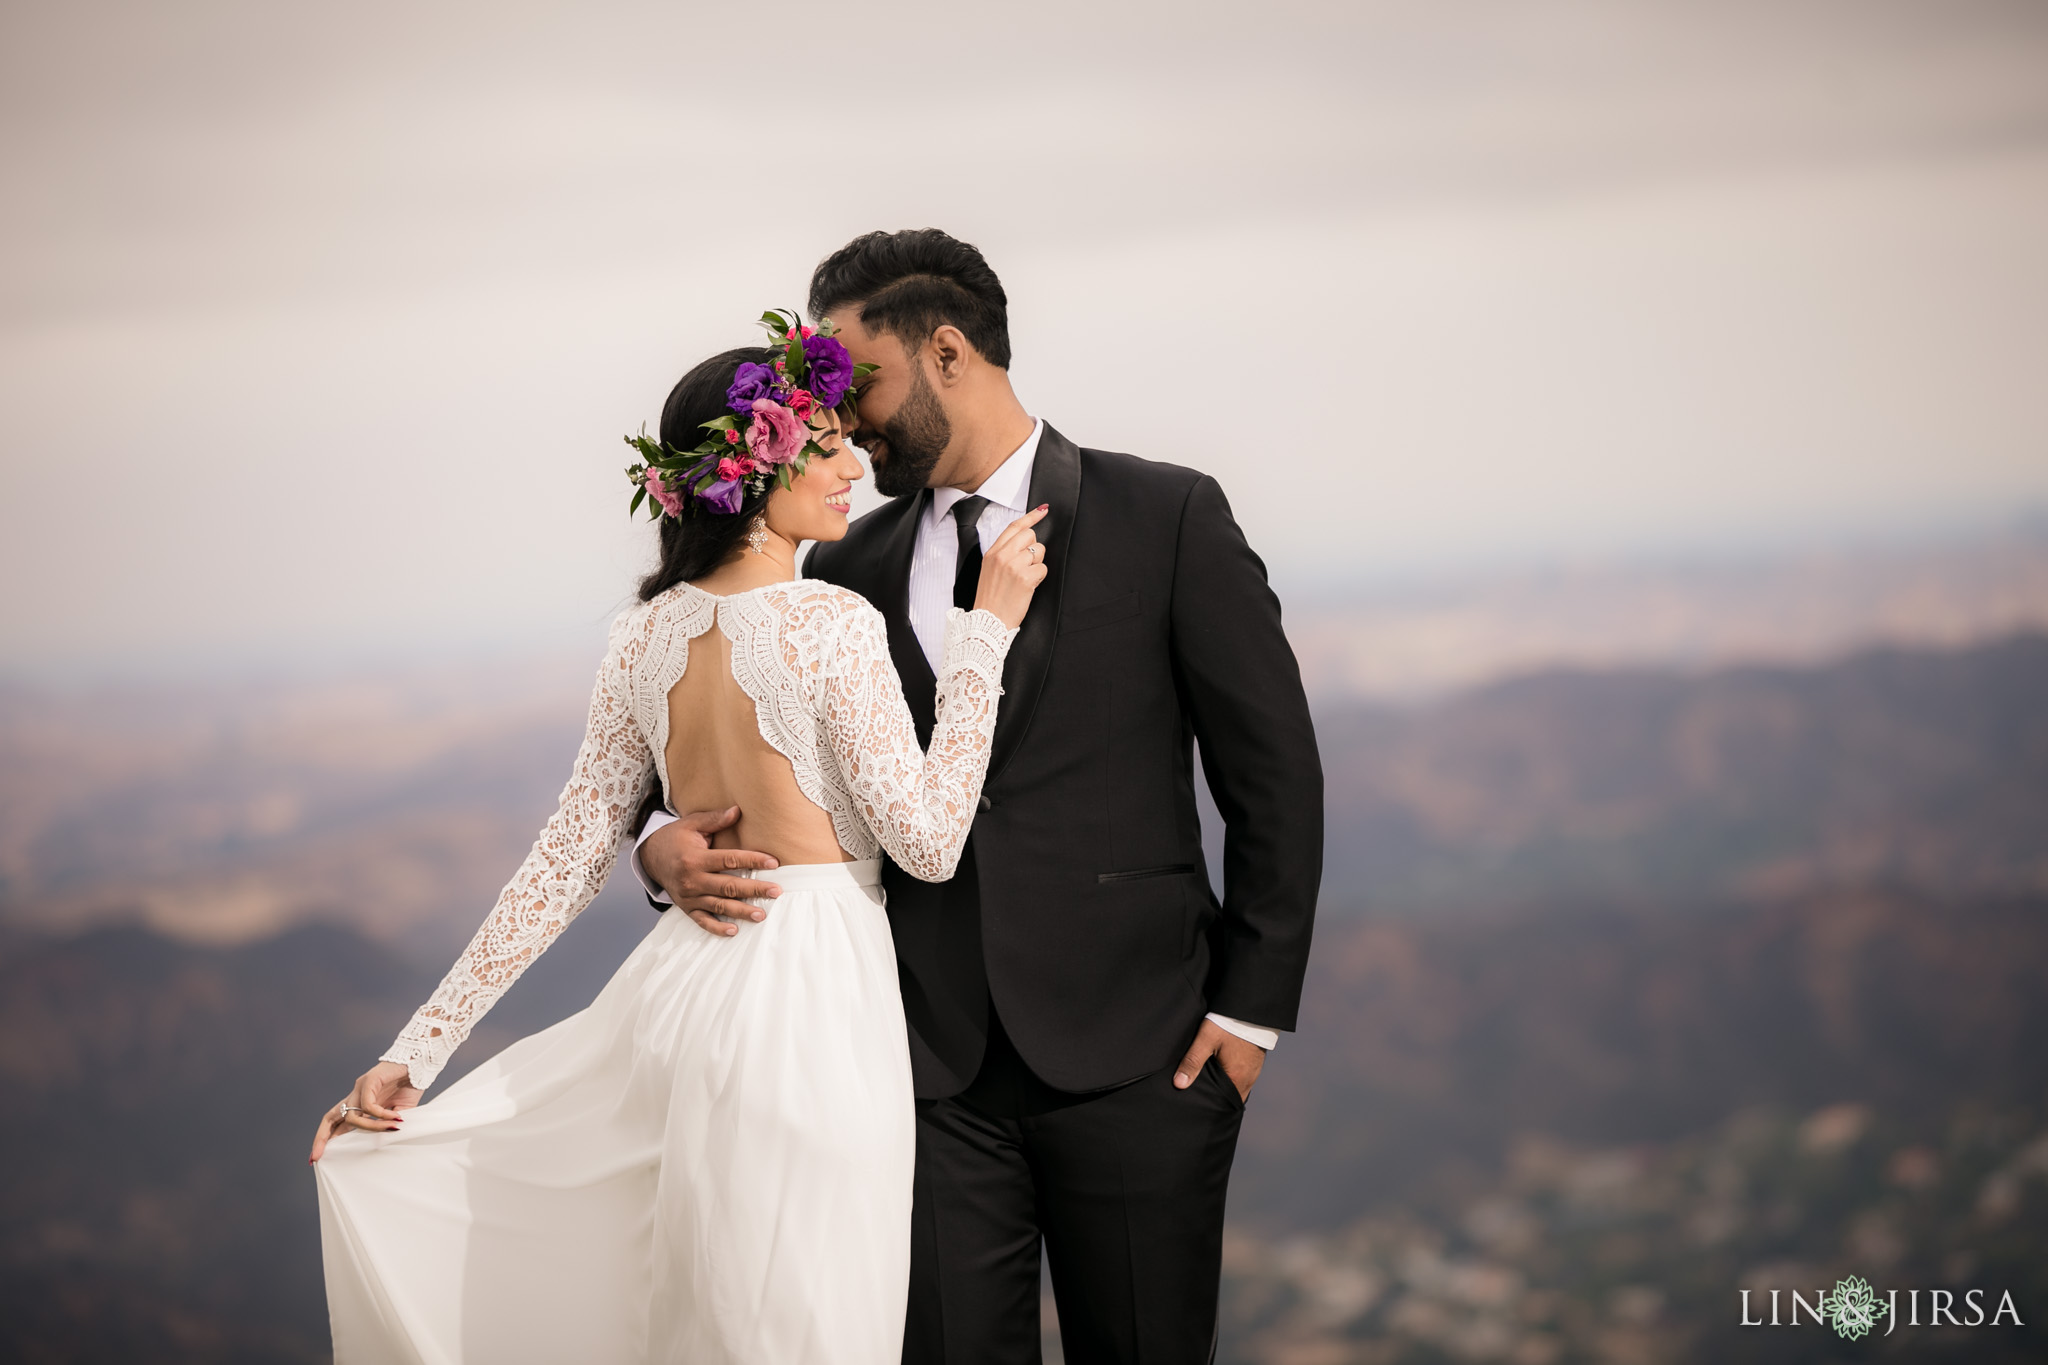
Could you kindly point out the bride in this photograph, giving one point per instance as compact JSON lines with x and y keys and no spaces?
{"x":713,"y":1161}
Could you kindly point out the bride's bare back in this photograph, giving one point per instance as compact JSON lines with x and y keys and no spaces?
{"x":717,"y":758}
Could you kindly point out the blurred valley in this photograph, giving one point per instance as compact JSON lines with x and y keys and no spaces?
{"x":1710,"y":961}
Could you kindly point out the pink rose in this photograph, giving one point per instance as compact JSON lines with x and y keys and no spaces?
{"x":732,"y":437}
{"x":802,"y":404}
{"x":729,"y":468}
{"x":776,"y":434}
{"x":671,"y":501}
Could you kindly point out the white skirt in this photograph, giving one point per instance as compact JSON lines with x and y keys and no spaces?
{"x":711,"y":1163}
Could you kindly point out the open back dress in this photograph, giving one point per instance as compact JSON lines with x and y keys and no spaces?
{"x":713,"y":1161}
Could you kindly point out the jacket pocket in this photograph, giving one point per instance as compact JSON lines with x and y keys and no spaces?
{"x":1099,"y":614}
{"x":1140,"y":874}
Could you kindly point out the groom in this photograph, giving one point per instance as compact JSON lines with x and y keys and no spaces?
{"x":1086,"y":1018}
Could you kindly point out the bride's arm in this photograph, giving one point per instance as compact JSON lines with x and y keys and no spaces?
{"x":920,"y":804}
{"x":566,"y":868}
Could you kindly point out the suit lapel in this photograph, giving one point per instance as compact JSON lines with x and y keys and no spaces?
{"x":1056,"y":481}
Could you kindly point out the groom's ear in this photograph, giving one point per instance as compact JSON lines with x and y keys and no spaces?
{"x":950,"y":353}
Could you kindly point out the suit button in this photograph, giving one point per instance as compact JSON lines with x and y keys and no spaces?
{"x":985,"y":804}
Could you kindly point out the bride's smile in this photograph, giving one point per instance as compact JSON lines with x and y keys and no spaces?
{"x":816,"y":504}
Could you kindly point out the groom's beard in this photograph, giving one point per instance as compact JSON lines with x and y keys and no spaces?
{"x":915,"y":439}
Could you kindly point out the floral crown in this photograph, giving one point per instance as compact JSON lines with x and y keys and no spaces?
{"x":768,"y":435}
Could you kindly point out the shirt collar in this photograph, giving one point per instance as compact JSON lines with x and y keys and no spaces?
{"x":1008,"y":487}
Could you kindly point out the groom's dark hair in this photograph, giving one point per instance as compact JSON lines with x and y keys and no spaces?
{"x":911,"y":283}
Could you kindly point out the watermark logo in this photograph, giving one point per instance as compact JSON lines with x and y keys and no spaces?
{"x":1853,"y":1308}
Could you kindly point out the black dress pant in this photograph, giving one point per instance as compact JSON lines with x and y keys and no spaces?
{"x":1125,"y":1186}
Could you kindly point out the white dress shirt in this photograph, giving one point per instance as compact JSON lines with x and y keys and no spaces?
{"x":937,"y":551}
{"x":932,"y":562}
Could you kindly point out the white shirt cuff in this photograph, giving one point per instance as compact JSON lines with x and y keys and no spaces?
{"x":654,"y":822}
{"x":1265,"y":1037}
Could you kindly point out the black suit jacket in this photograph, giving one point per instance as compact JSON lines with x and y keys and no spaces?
{"x":1082,"y":908}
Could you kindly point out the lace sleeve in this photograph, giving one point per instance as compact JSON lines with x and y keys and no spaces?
{"x":919,"y":805}
{"x":566,"y":868}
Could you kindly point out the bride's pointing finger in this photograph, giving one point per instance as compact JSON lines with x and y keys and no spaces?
{"x":1021,"y":527}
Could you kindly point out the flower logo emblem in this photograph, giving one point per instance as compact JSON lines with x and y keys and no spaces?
{"x":1853,"y":1308}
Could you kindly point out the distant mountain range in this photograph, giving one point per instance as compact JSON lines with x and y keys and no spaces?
{"x":404,"y":810}
{"x":1630,"y":988}
{"x":226,"y":813}
{"x":1925,"y":769}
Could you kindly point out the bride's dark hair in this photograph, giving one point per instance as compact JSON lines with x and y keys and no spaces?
{"x":697,"y":542}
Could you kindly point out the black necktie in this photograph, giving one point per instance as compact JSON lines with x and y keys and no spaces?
{"x":967,"y":565}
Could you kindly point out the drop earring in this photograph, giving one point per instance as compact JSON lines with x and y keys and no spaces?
{"x":757,"y":534}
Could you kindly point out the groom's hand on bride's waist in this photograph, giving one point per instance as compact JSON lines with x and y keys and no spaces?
{"x":699,"y":878}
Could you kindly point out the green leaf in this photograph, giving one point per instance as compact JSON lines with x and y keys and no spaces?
{"x":639,"y":496}
{"x":725,"y":423}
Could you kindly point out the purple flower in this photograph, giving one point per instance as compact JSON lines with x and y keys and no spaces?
{"x":830,"y":369}
{"x":723,"y":496}
{"x":749,"y":382}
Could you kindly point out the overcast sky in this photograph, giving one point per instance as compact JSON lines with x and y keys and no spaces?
{"x":319,"y":327}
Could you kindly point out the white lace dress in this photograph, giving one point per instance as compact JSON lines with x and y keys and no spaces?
{"x":713,"y":1161}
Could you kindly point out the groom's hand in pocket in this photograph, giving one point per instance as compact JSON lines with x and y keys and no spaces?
{"x":1240,"y":1059}
{"x":699,"y":878}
